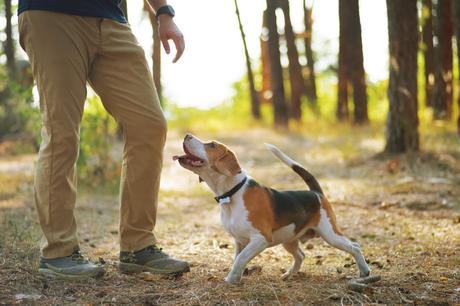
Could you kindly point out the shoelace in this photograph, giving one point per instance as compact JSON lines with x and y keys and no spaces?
{"x":155,"y":249}
{"x":77,"y":257}
{"x":131,"y":256}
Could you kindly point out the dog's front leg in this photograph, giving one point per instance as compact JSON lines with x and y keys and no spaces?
{"x":254,"y":247}
{"x":238,"y":248}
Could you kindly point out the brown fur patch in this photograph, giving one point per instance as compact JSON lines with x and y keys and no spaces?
{"x":330,"y":214}
{"x":260,"y":212}
{"x":221,"y":158}
{"x":313,"y":221}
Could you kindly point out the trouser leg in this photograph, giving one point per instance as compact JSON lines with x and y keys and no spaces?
{"x":59,"y":51}
{"x":121,"y":77}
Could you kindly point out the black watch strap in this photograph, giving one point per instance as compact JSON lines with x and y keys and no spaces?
{"x":166,"y":9}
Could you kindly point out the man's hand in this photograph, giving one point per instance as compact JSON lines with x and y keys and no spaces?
{"x":167,"y":30}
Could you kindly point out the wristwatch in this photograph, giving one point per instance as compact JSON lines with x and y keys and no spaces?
{"x":166,"y":9}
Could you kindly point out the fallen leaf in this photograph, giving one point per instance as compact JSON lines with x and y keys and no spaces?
{"x":149,"y":277}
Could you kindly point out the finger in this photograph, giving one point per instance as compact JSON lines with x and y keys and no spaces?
{"x":165,"y":42}
{"x":180,"y":47}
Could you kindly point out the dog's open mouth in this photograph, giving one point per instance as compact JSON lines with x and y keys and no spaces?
{"x":189,"y":159}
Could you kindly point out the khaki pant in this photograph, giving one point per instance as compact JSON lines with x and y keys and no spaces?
{"x":66,"y":52}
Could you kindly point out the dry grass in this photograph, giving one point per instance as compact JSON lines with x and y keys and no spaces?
{"x":404,"y":210}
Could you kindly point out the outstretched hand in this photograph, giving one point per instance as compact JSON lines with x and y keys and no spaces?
{"x":168,"y":30}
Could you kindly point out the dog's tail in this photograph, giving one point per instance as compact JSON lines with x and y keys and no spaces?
{"x":301,"y":171}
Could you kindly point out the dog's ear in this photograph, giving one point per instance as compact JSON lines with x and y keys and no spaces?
{"x":228,"y":164}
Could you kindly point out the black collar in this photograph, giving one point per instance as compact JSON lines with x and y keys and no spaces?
{"x":225,"y":198}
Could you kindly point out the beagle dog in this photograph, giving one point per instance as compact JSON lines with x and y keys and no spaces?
{"x":259,"y":217}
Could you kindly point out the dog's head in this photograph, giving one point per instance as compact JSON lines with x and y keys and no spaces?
{"x":208,"y":159}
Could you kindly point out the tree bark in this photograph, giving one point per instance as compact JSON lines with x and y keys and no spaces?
{"x":342,"y":72}
{"x":311,"y":77}
{"x":456,"y":10}
{"x":156,"y":57}
{"x":276,"y":70}
{"x":428,"y":51}
{"x":255,"y":103}
{"x":295,"y":70}
{"x":358,"y":78}
{"x":342,"y":76}
{"x":9,"y":43}
{"x":402,"y":120}
{"x":442,"y":100}
{"x":351,"y":68}
{"x":265,"y":61}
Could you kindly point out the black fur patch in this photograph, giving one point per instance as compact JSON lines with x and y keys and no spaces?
{"x":296,"y":206}
{"x":252,"y":183}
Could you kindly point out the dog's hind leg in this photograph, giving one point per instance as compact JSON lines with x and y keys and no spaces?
{"x":254,"y":247}
{"x":293,"y":248}
{"x":329,"y":232}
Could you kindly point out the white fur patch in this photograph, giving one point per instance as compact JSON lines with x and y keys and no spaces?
{"x":284,"y":234}
{"x":196,"y":147}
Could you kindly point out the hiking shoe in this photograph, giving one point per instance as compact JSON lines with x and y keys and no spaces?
{"x":74,"y":266}
{"x":151,"y":259}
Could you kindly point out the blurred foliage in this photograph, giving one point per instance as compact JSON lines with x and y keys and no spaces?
{"x":96,"y":163}
{"x":234,"y":114}
{"x":17,"y":115}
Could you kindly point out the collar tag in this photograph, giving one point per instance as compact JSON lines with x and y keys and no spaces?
{"x":225,"y":200}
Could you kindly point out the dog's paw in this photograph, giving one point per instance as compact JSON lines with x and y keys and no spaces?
{"x":286,"y":276}
{"x":365,"y":272}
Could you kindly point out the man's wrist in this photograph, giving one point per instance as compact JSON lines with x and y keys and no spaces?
{"x":164,"y":18}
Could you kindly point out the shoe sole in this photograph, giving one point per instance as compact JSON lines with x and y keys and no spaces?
{"x":127,"y":268}
{"x":57,"y":275}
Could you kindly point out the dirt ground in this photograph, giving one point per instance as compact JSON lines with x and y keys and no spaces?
{"x":403,"y":210}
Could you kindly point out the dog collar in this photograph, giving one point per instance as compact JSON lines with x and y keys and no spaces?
{"x":225,"y":198}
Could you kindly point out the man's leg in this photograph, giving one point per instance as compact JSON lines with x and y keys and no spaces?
{"x":59,"y":52}
{"x":121,"y":77}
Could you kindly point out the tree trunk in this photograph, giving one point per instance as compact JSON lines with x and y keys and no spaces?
{"x":265,"y":61}
{"x":456,"y":10}
{"x":351,"y":67}
{"x":276,"y":70}
{"x":442,"y":100}
{"x":358,"y":78}
{"x":156,"y":57}
{"x":428,"y":52}
{"x":156,"y":52}
{"x":402,"y":120}
{"x":343,"y":69}
{"x":9,"y":43}
{"x":255,"y":103}
{"x":342,"y":76}
{"x":311,"y":78}
{"x":295,"y":70}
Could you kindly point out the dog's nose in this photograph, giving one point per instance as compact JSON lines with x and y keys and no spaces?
{"x":188,"y":137}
